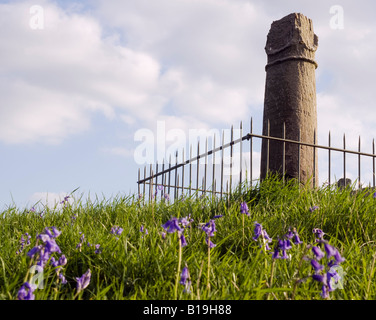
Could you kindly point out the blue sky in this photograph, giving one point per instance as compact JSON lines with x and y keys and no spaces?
{"x":75,"y":92}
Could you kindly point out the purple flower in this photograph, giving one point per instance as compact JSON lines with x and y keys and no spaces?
{"x":116,"y":230}
{"x":84,"y":281}
{"x":52,"y":246}
{"x":144,"y":230}
{"x":330,"y":250}
{"x":297,"y":239}
{"x":289,"y":234}
{"x":218,"y":216}
{"x":62,"y":278}
{"x":209,"y":228}
{"x":34,"y":251}
{"x":317,"y":266}
{"x":65,"y":199}
{"x":26,"y":292}
{"x":257,"y":231}
{"x":97,"y":250}
{"x":313,"y":208}
{"x":184,"y":275}
{"x":338,"y":257}
{"x":62,"y":261}
{"x":210,"y":243}
{"x":318,"y":253}
{"x":186,"y":221}
{"x":244,"y":208}
{"x":318,"y":233}
{"x":172,"y":225}
{"x":183,"y":241}
{"x":24,"y":242}
{"x":160,"y":187}
{"x":282,"y":245}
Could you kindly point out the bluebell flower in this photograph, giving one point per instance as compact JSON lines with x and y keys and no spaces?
{"x":318,"y":233}
{"x":24,"y":242}
{"x":325,"y":274}
{"x":62,"y":260}
{"x":62,"y":278}
{"x":26,"y":292}
{"x":182,"y":240}
{"x":317,"y":252}
{"x":186,"y":221}
{"x":297,"y":239}
{"x":244,"y":208}
{"x":83,"y":281}
{"x":210,"y":243}
{"x":97,"y":250}
{"x":184,"y":275}
{"x":144,"y":230}
{"x":282,"y":245}
{"x":172,"y":225}
{"x":209,"y":228}
{"x":259,"y":231}
{"x":317,"y":266}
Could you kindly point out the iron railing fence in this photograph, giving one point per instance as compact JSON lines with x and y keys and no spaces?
{"x":164,"y":177}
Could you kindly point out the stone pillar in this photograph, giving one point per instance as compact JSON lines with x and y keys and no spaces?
{"x":290,"y":97}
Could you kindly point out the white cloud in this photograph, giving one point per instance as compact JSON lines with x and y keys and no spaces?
{"x":53,"y":79}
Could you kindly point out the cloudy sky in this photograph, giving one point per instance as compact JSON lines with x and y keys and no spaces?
{"x":82,"y":81}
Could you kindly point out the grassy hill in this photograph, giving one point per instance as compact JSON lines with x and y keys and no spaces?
{"x":122,"y":249}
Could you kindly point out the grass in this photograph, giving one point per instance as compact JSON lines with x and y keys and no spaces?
{"x":140,"y":266}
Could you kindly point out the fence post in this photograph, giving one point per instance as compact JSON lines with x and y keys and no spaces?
{"x":290,"y":96}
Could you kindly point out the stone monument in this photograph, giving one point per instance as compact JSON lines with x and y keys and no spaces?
{"x":290,"y":98}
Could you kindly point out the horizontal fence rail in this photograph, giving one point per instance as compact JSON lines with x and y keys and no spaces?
{"x":166,"y":177}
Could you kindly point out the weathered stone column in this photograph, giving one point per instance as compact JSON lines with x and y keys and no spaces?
{"x":290,"y":97}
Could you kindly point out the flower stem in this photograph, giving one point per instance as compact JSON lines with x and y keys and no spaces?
{"x":208,"y":278}
{"x":178,"y":271}
{"x":243,"y":230}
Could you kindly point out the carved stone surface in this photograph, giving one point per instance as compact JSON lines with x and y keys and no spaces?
{"x":290,"y":98}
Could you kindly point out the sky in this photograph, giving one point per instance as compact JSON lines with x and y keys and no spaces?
{"x":85,"y":85}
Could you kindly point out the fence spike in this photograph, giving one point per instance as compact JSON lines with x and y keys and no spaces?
{"x":169,"y":175}
{"x":251,"y":153}
{"x":344,"y":158}
{"x":329,"y":158}
{"x":213,"y":157}
{"x":206,"y":164}
{"x":231,"y":154}
{"x":138,"y":184}
{"x":223,"y":138}
{"x":182,"y":174}
{"x":190,"y":170}
{"x":241,"y":156}
{"x":198,"y":166}
{"x":359,"y":170}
